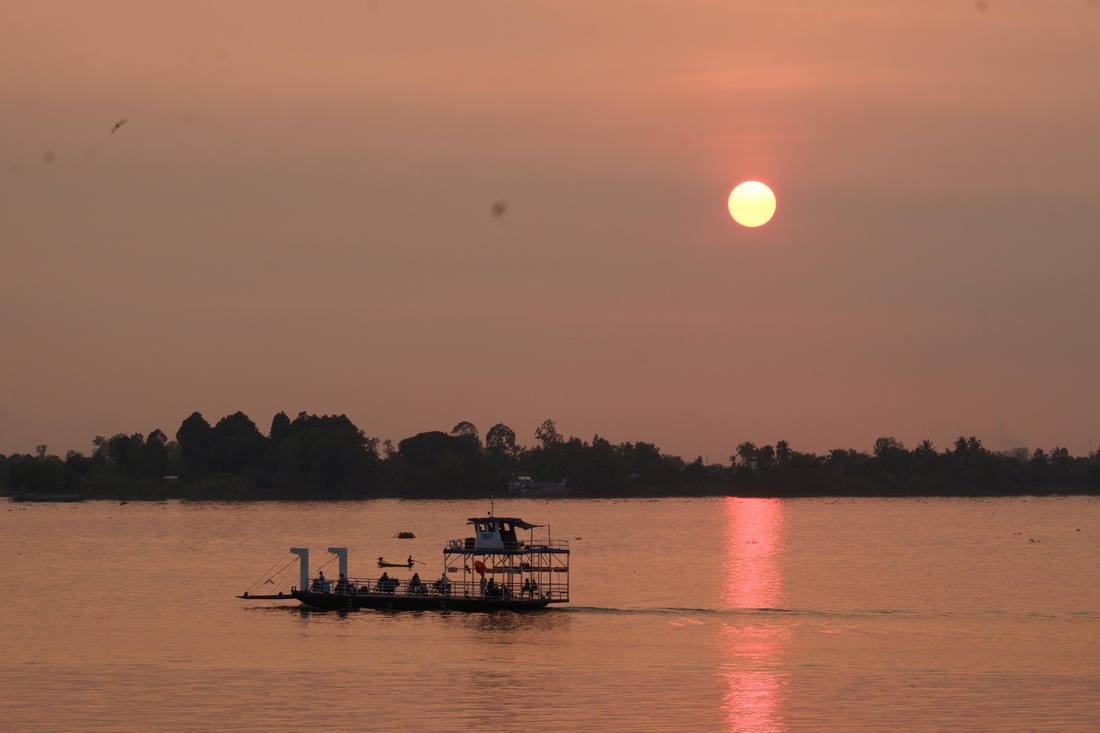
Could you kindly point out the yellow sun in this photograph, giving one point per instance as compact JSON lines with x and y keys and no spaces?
{"x":752,"y":204}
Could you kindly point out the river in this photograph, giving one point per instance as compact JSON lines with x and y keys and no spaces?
{"x":737,"y":615}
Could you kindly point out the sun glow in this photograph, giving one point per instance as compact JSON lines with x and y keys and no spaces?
{"x":752,"y":204}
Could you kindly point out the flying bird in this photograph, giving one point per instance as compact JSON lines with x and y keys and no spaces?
{"x":118,"y":124}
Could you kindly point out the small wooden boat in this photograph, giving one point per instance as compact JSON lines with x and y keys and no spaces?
{"x":497,"y":568}
{"x":407,"y":564}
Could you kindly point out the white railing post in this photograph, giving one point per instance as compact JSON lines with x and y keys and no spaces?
{"x":303,"y":566}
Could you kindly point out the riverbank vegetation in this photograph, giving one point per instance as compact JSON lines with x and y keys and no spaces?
{"x":315,"y":457}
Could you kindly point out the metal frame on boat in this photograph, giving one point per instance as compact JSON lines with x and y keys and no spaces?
{"x":497,"y":568}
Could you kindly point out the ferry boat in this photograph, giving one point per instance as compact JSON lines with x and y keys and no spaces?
{"x":506,"y":564}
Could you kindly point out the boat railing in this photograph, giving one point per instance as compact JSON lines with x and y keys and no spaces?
{"x":467,"y":543}
{"x":473,"y":589}
{"x":548,"y":545}
{"x":389,"y":586}
{"x":548,"y":590}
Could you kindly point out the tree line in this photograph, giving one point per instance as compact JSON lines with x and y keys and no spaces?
{"x":329,"y":457}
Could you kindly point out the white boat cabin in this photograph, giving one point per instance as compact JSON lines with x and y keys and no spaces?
{"x":497,"y":533}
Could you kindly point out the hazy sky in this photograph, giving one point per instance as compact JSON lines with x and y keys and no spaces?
{"x":298,"y":216}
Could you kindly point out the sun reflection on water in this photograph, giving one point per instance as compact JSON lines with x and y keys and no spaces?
{"x":751,"y":651}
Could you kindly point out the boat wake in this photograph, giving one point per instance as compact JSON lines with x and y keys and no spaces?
{"x":672,"y":611}
{"x":814,"y":613}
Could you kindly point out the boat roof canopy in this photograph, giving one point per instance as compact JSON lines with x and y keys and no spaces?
{"x":514,"y":521}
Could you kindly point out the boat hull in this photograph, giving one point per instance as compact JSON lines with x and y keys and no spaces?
{"x":401,"y":602}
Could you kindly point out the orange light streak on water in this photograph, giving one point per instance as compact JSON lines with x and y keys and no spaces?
{"x":752,"y":650}
{"x":753,"y":536}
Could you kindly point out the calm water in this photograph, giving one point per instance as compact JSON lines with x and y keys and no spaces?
{"x":688,"y":615}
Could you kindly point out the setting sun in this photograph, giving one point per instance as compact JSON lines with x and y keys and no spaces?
{"x":752,"y":204}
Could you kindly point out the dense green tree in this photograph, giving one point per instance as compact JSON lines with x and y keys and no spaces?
{"x":238,"y":444}
{"x":700,"y":476}
{"x":547,"y":434}
{"x":438,"y":464}
{"x":124,"y":452}
{"x":846,"y":471}
{"x":925,"y":451}
{"x":884,"y":446}
{"x":644,"y":462}
{"x":746,"y":455}
{"x":325,"y":457}
{"x":197,"y":454}
{"x":6,"y":464}
{"x":500,"y":440}
{"x":801,"y":474}
{"x":157,"y":454}
{"x":554,"y":460}
{"x":43,"y":475}
{"x":891,"y":457}
{"x":143,"y":460}
{"x":467,"y":431}
{"x":280,"y":429}
{"x":1061,"y":461}
{"x":1038,"y":468}
{"x":601,"y":471}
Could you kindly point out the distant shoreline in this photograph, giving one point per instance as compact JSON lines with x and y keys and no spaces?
{"x":46,"y":499}
{"x":327,"y":457}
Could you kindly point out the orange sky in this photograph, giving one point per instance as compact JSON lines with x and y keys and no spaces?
{"x":297,"y":216}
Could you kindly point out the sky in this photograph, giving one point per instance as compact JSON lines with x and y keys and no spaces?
{"x":422,"y":213}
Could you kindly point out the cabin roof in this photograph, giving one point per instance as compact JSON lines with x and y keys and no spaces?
{"x":514,"y":521}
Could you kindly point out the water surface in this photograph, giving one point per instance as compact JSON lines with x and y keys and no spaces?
{"x":687,"y":614}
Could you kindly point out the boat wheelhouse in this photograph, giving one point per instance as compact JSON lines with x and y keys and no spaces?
{"x":507,"y":564}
